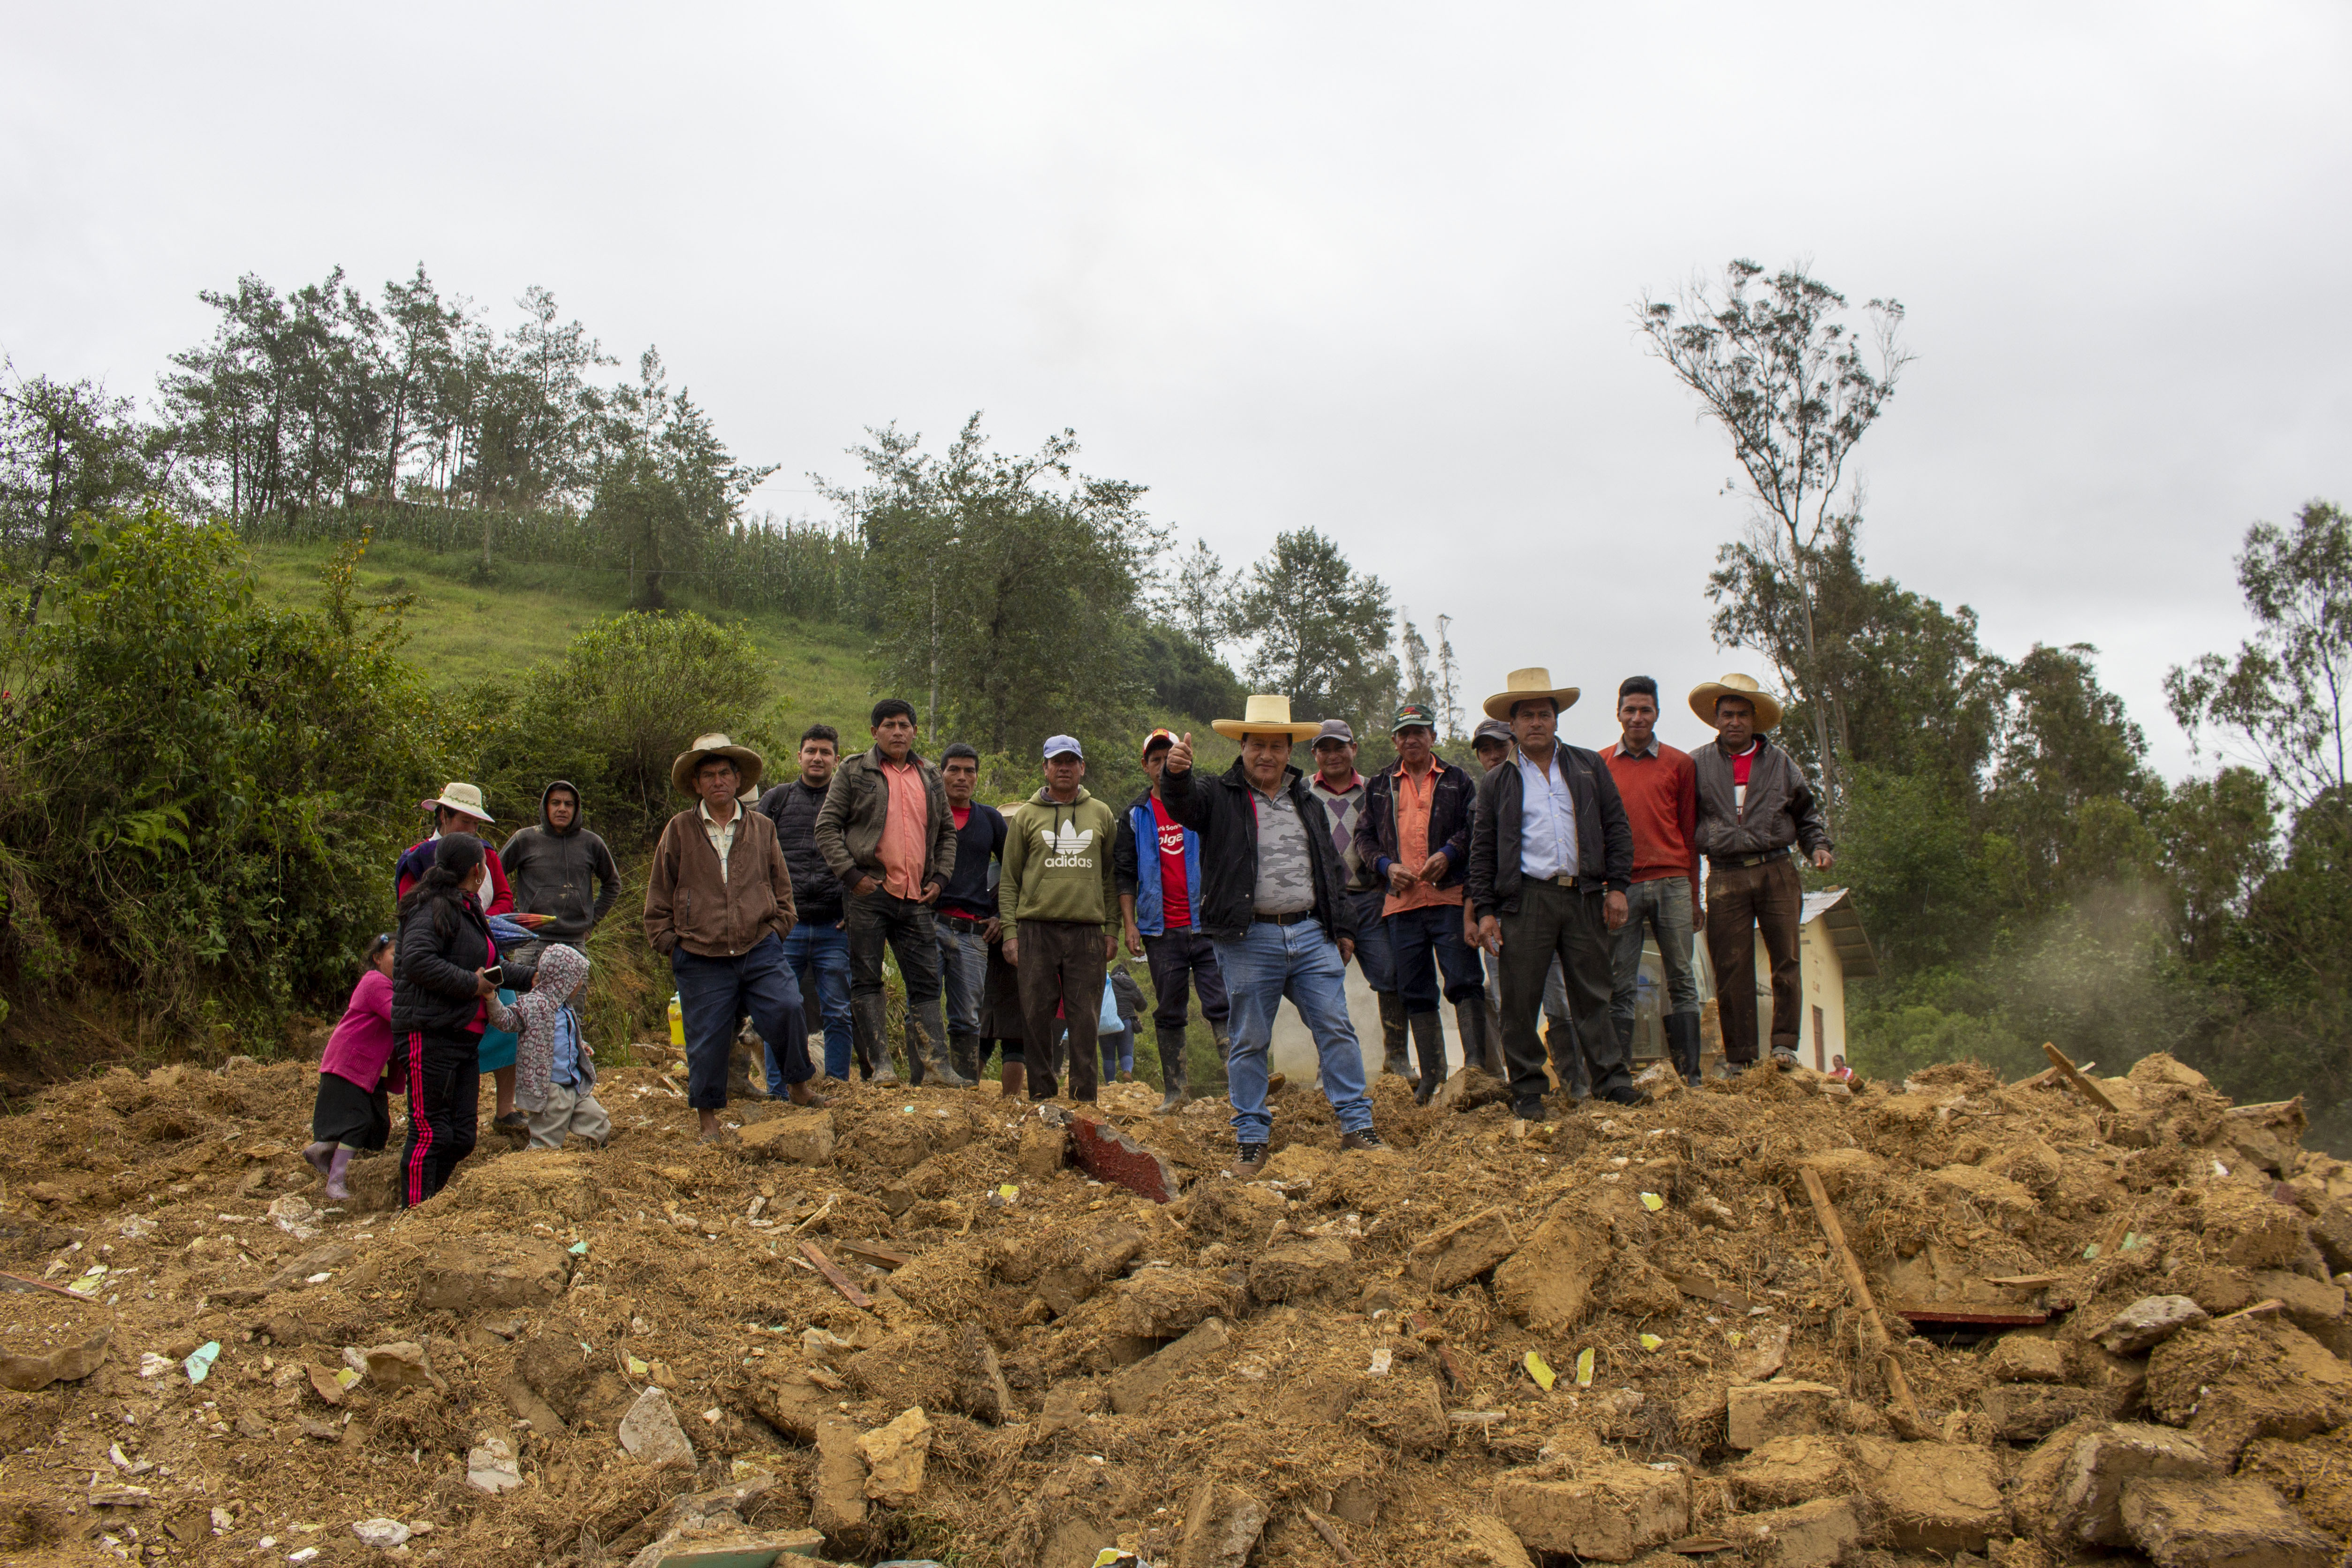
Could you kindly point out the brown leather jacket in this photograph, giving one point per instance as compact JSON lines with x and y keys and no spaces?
{"x":1781,"y":808}
{"x":688,"y":905}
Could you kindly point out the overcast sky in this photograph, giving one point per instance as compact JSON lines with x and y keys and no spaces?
{"x":1368,"y":268}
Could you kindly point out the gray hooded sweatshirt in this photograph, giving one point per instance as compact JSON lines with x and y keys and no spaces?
{"x":568,"y":873}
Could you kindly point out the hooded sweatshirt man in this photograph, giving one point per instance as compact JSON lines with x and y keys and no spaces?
{"x":559,"y":869}
{"x":1061,"y":918}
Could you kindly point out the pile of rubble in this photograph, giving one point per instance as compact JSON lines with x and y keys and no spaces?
{"x":1774,"y":1323}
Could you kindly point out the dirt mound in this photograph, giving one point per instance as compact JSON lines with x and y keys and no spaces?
{"x":913,"y":1323}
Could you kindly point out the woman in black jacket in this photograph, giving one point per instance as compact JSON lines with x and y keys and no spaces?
{"x":438,"y":990}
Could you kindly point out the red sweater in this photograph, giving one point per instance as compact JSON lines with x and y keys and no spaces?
{"x":1660,"y":796}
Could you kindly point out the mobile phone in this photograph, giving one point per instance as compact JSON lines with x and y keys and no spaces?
{"x":496,"y":974}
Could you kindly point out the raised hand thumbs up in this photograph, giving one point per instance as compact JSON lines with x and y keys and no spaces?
{"x":1180,"y":755}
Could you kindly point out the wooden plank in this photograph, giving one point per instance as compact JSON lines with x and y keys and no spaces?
{"x":2269,"y":1307}
{"x":2023,"y":1282}
{"x":1323,"y":1527}
{"x":1962,"y":1315}
{"x":834,"y":1277}
{"x":1875,"y":1335}
{"x":1707,"y":1290}
{"x":2049,"y":1075}
{"x":2074,"y":1075}
{"x":1698,"y":1545}
{"x":880,"y":1256}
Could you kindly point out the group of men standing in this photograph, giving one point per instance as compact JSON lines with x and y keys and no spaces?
{"x":1247,"y":888}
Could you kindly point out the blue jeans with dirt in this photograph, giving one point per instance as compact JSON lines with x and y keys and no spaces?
{"x":819,"y":957}
{"x":1426,"y":948}
{"x":1299,"y":962}
{"x":715,"y":993}
{"x":1663,"y":906}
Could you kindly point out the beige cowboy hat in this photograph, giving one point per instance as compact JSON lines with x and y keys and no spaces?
{"x":1267,"y":715}
{"x":466,"y":797}
{"x":748,"y":762}
{"x":1524,"y":684}
{"x":1704,"y":694}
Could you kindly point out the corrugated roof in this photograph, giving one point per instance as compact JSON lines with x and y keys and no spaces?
{"x":1834,"y":909}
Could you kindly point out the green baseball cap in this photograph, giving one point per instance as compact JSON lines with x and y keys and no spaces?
{"x":1413,"y":714}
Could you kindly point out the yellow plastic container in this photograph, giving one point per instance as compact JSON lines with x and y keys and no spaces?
{"x":676,"y":1022}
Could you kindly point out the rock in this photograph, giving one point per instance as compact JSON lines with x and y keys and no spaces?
{"x":1756,"y":1413}
{"x":2028,"y":1412}
{"x":894,"y":1456}
{"x":2019,"y":1358}
{"x":1464,"y":1251}
{"x":2091,"y":1486}
{"x":837,"y":1501}
{"x":1221,"y":1526}
{"x":1789,"y":1470}
{"x":2332,"y":1232}
{"x":2315,"y":1308}
{"x":29,"y":1372}
{"x":2232,"y":1523}
{"x":2236,"y":1379}
{"x":801,"y":1140}
{"x":1482,"y":1540}
{"x":1139,"y":1385}
{"x":1110,"y":1156}
{"x":1404,"y":1412}
{"x":1548,"y":1284}
{"x":1045,"y":1150}
{"x":787,"y":1398}
{"x":1160,"y":1303}
{"x":1612,"y":1513}
{"x":1069,"y":1402}
{"x":2163,"y":1066}
{"x":481,"y":1273}
{"x":384,"y":1534}
{"x":1931,"y":1497}
{"x":402,"y":1363}
{"x":1840,"y":1168}
{"x":1301,"y":1268}
{"x":1766,"y":1352}
{"x":2269,"y":1136}
{"x":296,"y":1216}
{"x":650,"y":1431}
{"x":2253,"y":1229}
{"x":1817,"y":1534}
{"x":491,"y":1466}
{"x":2149,"y":1322}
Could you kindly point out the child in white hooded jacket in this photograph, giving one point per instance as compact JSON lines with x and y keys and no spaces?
{"x":555,"y":1067}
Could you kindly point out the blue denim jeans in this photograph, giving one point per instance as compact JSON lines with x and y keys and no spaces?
{"x":1301,"y":962}
{"x":1375,"y":948}
{"x":819,"y":957}
{"x":1663,"y":907}
{"x":715,"y":993}
{"x":963,"y":976}
{"x":1427,"y":945}
{"x":1117,"y":1053}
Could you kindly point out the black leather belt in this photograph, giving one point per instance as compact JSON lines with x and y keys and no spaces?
{"x":1291,"y":919}
{"x":1743,"y":862}
{"x":962,"y":923}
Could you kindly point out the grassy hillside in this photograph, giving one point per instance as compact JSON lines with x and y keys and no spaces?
{"x":463,"y":629}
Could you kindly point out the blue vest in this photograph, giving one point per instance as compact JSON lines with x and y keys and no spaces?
{"x":1149,"y":915}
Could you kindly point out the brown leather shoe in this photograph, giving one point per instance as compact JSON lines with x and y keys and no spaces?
{"x":1249,"y":1161}
{"x":1367,"y":1139}
{"x":1273,"y":1084}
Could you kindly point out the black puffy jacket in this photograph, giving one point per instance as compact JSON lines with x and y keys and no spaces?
{"x":442,"y":942}
{"x":1223,"y":809}
{"x":793,"y":806}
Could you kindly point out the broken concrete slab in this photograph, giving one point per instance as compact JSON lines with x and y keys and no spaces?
{"x":1821,"y":1534}
{"x":1110,"y":1156}
{"x":1612,"y":1513}
{"x":1298,"y":1267}
{"x":2149,"y":1322}
{"x":894,"y":1454}
{"x":2225,"y":1522}
{"x":1756,"y":1413}
{"x":1221,"y":1526}
{"x":803,"y":1140}
{"x":650,"y":1431}
{"x":837,"y":1499}
{"x":2091,"y":1487}
{"x":1199,"y":1351}
{"x":1464,"y":1251}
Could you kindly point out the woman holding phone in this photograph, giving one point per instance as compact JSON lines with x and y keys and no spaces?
{"x":441,"y":977}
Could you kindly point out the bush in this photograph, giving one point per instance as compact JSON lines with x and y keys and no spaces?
{"x":203,"y":795}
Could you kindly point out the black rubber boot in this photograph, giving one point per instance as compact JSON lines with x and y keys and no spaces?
{"x":1392,"y":1036}
{"x":1429,"y":1043}
{"x":930,"y":1063}
{"x":963,"y":1054}
{"x":1682,"y":1044}
{"x":1174,"y":1094}
{"x":869,"y":1015}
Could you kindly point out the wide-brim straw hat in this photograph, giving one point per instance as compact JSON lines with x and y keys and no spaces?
{"x":749,"y":763}
{"x":1525,"y":685}
{"x":1267,"y":715}
{"x":466,"y":797}
{"x":1767,"y":707}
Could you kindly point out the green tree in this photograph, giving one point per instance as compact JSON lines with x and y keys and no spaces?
{"x":666,"y":487}
{"x":67,"y":450}
{"x":2283,"y":698}
{"x":1322,"y":631}
{"x":1795,"y":388}
{"x":1007,"y":590}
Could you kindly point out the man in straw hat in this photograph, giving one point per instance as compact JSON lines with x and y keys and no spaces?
{"x":1754,"y":802}
{"x":460,"y":808}
{"x":718,"y":905}
{"x":1270,"y":900}
{"x":888,"y":833}
{"x":1550,"y":858}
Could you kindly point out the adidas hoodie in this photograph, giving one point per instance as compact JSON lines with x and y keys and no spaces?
{"x":1057,"y":862}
